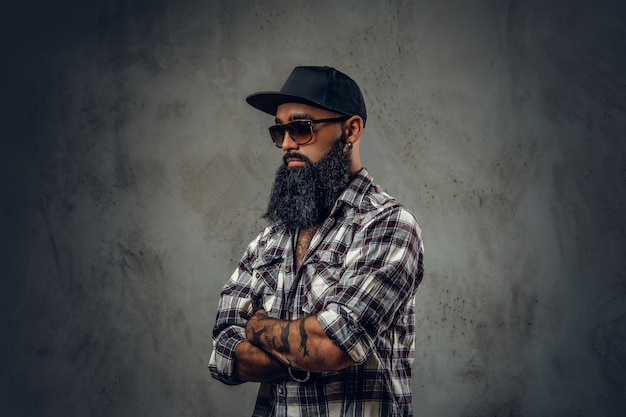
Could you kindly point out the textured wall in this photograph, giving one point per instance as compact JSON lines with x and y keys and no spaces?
{"x":134,"y":174}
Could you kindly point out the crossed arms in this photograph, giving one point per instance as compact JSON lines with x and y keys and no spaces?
{"x":272,"y":345}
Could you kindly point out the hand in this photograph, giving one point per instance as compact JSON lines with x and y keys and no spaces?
{"x":254,"y":327}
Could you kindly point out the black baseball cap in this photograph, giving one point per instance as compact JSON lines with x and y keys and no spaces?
{"x":323,"y":87}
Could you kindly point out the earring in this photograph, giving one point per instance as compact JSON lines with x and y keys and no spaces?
{"x":350,"y":145}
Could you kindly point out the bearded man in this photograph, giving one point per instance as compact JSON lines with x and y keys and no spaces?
{"x":321,"y":309}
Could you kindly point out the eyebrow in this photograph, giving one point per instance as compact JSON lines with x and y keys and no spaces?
{"x":297,"y":116}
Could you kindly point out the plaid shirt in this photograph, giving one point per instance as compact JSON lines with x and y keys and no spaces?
{"x":359,"y":277}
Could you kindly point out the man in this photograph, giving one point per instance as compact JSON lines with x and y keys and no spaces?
{"x":321,"y":307}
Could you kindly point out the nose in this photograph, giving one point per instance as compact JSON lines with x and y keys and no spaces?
{"x":288,"y":143}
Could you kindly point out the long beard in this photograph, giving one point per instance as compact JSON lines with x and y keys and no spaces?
{"x":304,"y":196}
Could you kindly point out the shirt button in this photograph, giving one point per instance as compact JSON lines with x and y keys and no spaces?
{"x":288,"y":268}
{"x":280,"y":389}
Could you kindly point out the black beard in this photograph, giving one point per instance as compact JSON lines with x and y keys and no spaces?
{"x":303,"y":196}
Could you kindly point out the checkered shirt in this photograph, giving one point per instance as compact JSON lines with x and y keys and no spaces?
{"x":359,"y":277}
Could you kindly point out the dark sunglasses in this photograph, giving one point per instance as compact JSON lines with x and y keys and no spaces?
{"x":301,"y":131}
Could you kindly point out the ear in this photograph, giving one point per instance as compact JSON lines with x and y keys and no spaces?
{"x":353,"y":128}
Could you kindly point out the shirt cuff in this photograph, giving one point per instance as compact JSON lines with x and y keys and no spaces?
{"x":336,"y":322}
{"x":222,"y":362}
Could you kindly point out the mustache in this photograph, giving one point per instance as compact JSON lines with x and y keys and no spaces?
{"x":296,"y":155}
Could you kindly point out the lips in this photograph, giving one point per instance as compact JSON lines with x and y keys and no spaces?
{"x":292,"y":160}
{"x":291,"y":163}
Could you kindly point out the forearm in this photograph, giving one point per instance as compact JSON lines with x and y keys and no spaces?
{"x":300,"y":344}
{"x":254,"y":364}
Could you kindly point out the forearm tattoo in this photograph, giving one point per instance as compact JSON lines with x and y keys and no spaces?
{"x":256,"y":336}
{"x":258,"y":321}
{"x":266,"y":336}
{"x":303,"y":339}
{"x":284,"y":340}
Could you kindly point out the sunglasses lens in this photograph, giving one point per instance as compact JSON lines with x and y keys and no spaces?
{"x":277,"y":133}
{"x":300,"y":132}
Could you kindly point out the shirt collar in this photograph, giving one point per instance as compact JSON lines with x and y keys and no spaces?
{"x":355,"y":191}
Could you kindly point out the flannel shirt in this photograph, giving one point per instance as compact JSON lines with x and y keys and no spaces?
{"x":359,"y":277}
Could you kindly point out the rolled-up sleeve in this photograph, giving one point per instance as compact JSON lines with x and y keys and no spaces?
{"x":234,"y":308}
{"x":383,"y":269}
{"x":222,"y":362}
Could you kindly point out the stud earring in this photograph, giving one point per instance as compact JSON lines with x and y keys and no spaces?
{"x":350,"y":145}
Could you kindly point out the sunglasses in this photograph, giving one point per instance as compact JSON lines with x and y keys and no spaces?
{"x":300,"y":131}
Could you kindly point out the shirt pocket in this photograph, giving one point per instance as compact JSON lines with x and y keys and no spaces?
{"x":266,"y":280}
{"x":321,"y":280}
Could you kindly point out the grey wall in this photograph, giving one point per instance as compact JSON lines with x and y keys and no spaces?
{"x":134,"y":174}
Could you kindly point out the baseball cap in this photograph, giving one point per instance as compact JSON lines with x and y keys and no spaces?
{"x":323,"y":87}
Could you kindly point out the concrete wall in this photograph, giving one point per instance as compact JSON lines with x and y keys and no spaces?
{"x":134,"y":174}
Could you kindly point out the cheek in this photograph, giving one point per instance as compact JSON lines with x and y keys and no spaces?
{"x":313,"y":151}
{"x":321,"y":148}
{"x":315,"y":157}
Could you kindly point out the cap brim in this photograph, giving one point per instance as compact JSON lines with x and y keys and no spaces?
{"x":268,"y":101}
